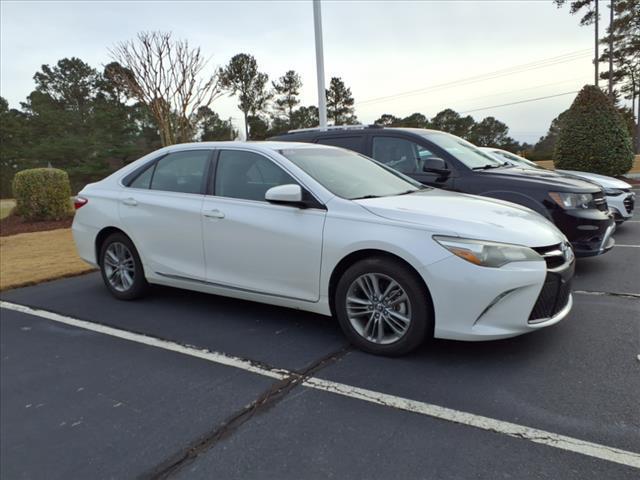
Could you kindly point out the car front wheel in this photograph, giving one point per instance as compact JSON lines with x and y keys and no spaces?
{"x":382,"y":307}
{"x":121,"y":268}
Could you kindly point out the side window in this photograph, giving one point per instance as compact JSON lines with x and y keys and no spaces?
{"x":403,"y":155}
{"x":181,"y":172}
{"x":350,"y":143}
{"x":247,"y":175}
{"x":143,"y":180}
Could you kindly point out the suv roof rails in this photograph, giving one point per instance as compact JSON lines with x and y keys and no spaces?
{"x":335,"y":127}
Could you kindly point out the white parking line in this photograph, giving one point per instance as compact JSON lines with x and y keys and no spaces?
{"x":535,"y":435}
{"x":627,"y":246}
{"x":614,"y":294}
{"x":204,"y":354}
{"x":478,"y":421}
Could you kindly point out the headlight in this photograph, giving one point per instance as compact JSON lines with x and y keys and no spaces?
{"x":572,"y":200}
{"x":487,"y":254}
{"x":613,"y":192}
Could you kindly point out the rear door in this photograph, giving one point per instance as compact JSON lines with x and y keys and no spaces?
{"x":161,"y":211}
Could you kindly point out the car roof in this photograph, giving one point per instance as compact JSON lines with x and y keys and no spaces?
{"x":348,"y":130}
{"x":254,"y":146}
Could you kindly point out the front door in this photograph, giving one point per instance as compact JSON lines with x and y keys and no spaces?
{"x":408,"y":157}
{"x":253,"y":245}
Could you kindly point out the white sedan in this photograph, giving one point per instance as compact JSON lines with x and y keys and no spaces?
{"x":620,"y":197}
{"x":329,"y":231}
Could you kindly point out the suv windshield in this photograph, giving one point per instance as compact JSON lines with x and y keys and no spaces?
{"x":350,"y":175}
{"x":464,"y":151}
{"x":515,"y":159}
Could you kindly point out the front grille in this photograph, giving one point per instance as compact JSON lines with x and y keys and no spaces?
{"x":553,"y":255}
{"x":600,"y":201}
{"x":553,"y":297}
{"x":629,"y":203}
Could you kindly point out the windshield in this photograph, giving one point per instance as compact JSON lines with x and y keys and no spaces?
{"x":515,"y":159}
{"x":464,"y":151}
{"x":348,"y":174}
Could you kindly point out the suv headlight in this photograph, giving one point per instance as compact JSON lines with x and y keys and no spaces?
{"x":572,"y":200}
{"x":613,"y":192}
{"x":487,"y":254}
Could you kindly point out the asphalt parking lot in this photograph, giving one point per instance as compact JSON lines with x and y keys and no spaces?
{"x":186,"y":385}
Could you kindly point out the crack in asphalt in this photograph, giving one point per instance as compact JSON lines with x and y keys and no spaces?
{"x":264,"y":402}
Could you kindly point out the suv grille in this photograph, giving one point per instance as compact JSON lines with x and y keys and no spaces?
{"x":629,"y":203}
{"x":553,"y":297}
{"x":600,"y":201}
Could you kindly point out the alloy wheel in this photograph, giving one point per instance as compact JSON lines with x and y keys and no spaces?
{"x":119,"y":266}
{"x":378,"y":308}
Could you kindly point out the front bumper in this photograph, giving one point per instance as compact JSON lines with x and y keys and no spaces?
{"x":478,"y":303}
{"x":589,"y":231}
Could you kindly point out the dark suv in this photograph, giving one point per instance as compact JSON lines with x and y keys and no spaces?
{"x":577,"y":207}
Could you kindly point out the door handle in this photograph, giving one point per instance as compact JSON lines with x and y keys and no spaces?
{"x":214,"y":214}
{"x":131,"y":202}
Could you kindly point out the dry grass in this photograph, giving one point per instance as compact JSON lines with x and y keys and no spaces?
{"x":6,"y":205}
{"x":29,"y":258}
{"x":634,"y":169}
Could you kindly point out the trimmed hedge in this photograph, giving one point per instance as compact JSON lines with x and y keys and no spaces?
{"x":593,"y":136}
{"x":42,"y":194}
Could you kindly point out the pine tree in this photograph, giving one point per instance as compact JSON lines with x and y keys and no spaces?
{"x":340,"y":103}
{"x":241,"y":77}
{"x":286,"y":90}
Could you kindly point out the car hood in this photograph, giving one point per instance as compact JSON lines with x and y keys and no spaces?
{"x":602,"y":180}
{"x":543,"y":179}
{"x":467,"y":216}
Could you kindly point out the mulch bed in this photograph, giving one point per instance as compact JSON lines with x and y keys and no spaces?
{"x":13,"y":225}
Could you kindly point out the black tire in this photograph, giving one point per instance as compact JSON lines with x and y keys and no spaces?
{"x":421,"y":324}
{"x":138,"y":286}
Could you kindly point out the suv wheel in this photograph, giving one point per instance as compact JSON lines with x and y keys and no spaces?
{"x":382,"y":307}
{"x":121,"y":268}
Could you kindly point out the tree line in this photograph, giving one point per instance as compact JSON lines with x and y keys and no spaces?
{"x":621,"y":49}
{"x":154,"y":93}
{"x":157,"y":91}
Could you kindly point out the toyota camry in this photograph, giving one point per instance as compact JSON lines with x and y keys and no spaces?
{"x":330,"y":231}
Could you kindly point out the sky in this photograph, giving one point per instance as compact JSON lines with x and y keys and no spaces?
{"x":439,"y":51}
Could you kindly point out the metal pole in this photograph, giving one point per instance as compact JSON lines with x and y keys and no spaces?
{"x":611,"y":49}
{"x":322,"y":99}
{"x":596,"y":59}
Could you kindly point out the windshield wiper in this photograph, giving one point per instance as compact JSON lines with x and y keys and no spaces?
{"x":407,"y":192}
{"x":365,"y":197}
{"x":487,"y":166}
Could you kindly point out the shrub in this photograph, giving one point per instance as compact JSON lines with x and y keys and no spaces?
{"x":593,"y":136}
{"x":42,"y":194}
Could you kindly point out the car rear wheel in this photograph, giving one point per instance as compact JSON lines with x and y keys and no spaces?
{"x":382,"y":307}
{"x":121,"y":268}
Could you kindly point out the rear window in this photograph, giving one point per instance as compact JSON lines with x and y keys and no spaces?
{"x":350,"y":143}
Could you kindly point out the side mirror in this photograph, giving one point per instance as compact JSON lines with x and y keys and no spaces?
{"x":289,"y":194}
{"x":436,"y":165}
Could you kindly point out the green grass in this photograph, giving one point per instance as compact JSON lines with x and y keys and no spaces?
{"x":6,"y":205}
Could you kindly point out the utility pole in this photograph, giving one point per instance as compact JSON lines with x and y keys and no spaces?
{"x":322,"y":99}
{"x":595,"y":61}
{"x":611,"y":49}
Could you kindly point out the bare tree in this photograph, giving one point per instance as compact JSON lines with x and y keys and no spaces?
{"x":167,"y":76}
